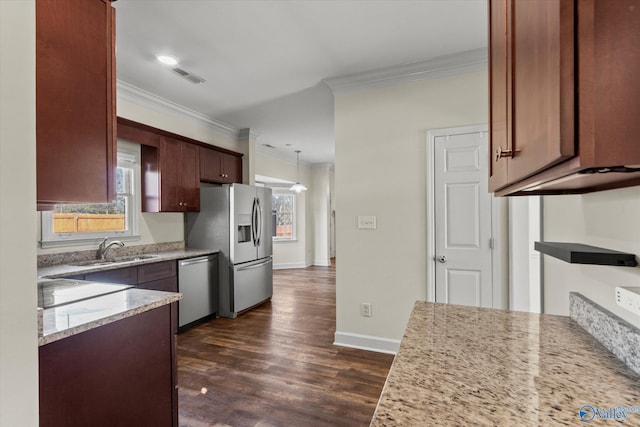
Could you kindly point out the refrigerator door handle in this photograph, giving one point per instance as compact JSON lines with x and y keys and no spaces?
{"x":252,"y":266}
{"x":253,"y":222}
{"x":259,"y":217}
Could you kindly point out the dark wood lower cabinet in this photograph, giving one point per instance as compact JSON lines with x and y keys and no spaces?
{"x":120,"y":374}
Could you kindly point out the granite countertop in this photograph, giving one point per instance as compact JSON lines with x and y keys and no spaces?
{"x":73,"y":318}
{"x":62,"y":270}
{"x":474,"y":366}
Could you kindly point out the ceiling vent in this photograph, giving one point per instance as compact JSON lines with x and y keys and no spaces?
{"x":188,"y":75}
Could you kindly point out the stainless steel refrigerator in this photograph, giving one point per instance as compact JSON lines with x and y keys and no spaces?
{"x":236,"y":220}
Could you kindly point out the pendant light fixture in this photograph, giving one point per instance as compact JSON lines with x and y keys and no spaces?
{"x":298,"y":187}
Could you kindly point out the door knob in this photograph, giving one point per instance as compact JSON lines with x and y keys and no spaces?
{"x":442,"y":259}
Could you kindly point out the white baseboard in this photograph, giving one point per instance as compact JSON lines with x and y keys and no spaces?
{"x":287,"y":265}
{"x":366,"y":342}
{"x":322,"y":263}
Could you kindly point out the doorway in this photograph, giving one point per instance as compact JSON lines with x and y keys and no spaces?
{"x":465,"y":256}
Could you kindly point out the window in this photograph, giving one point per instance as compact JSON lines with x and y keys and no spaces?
{"x":89,"y":223}
{"x":284,"y":209}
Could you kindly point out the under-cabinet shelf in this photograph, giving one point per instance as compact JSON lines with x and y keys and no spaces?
{"x":576,"y":253}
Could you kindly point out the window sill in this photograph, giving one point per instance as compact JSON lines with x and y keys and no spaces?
{"x":285,"y":240}
{"x":85,"y":242}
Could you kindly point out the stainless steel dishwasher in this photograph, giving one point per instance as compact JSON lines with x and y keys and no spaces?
{"x":198,"y":282}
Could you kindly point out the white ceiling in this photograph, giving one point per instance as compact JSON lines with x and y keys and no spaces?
{"x":265,"y":61}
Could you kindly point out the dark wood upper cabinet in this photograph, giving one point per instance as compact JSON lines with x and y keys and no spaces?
{"x":75,"y":101}
{"x":563,"y":104}
{"x":173,"y":166}
{"x":170,"y":177}
{"x":220,"y":167}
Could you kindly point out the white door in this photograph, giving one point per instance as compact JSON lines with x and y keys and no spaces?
{"x":463,"y":239}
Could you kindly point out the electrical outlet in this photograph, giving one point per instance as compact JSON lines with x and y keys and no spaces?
{"x":628,"y":298}
{"x":365,"y":309}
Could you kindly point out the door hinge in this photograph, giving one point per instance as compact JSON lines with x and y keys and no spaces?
{"x":491,"y":243}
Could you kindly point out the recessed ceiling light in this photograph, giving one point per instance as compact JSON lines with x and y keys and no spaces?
{"x":167,"y":60}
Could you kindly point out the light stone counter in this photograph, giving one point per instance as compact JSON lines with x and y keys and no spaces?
{"x":460,"y":366}
{"x":62,"y":270}
{"x":71,"y":319}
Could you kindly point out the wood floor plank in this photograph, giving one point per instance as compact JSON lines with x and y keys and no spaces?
{"x":276,"y":365}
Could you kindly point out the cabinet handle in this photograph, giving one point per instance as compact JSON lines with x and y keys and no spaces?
{"x":502,"y":152}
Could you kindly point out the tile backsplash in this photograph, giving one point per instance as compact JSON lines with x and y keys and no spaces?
{"x":76,"y":256}
{"x":617,"y":335}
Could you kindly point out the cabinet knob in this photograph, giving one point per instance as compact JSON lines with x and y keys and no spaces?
{"x":505,"y":152}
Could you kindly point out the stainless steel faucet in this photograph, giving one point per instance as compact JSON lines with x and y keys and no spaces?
{"x":104,"y":247}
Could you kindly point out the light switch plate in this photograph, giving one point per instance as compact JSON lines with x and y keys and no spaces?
{"x":366,"y":222}
{"x":628,"y":298}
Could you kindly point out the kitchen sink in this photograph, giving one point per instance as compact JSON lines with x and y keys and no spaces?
{"x":134,"y":258}
{"x":99,"y":262}
{"x":92,"y":262}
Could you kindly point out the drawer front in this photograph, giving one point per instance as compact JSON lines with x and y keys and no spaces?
{"x":156,"y":271}
{"x":124,"y":276}
{"x":170,"y":284}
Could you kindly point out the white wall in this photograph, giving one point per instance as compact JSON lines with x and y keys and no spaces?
{"x":381,"y":170}
{"x":18,"y":300}
{"x":321,"y":213}
{"x":524,"y":260}
{"x":608,"y":219}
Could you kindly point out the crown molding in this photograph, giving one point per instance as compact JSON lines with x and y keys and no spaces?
{"x":278,"y":154}
{"x":149,"y":100}
{"x":443,"y":66}
{"x":327,"y":166}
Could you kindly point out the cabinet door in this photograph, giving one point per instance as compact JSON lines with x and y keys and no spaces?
{"x":75,"y":101}
{"x":232,"y":168}
{"x":119,"y":374}
{"x":179,"y":176}
{"x":122,"y":276}
{"x":156,"y":271}
{"x":189,"y":178}
{"x":170,"y":153}
{"x":169,"y":284}
{"x":499,"y":91}
{"x":219,"y":167}
{"x":210,"y":165}
{"x":542,"y":45}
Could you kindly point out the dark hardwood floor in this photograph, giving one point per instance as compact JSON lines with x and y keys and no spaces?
{"x":276,"y":365}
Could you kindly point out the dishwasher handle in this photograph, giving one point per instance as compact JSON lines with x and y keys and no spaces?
{"x":196,"y":260}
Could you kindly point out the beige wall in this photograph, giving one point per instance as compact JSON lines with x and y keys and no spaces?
{"x":293,"y":254}
{"x":381,"y":170}
{"x":608,"y":219}
{"x":18,"y":300}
